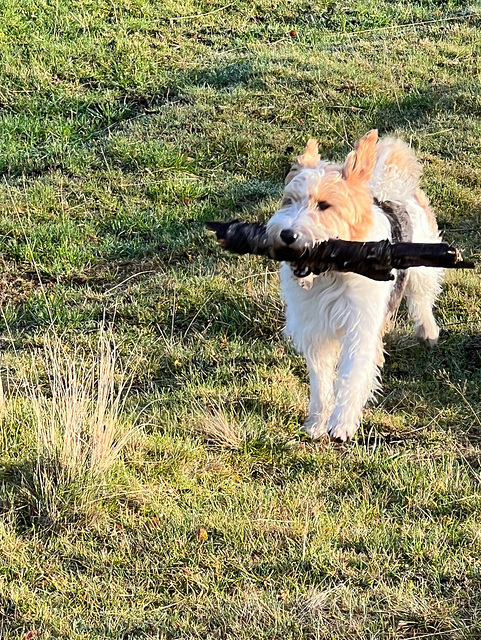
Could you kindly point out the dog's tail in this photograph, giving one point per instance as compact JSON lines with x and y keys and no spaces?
{"x":397,"y":171}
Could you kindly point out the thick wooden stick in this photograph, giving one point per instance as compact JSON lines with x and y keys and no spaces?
{"x":374,"y":260}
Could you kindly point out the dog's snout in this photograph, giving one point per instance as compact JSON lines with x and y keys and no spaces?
{"x":288,"y":236}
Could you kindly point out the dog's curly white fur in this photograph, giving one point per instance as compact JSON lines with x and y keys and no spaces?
{"x":337,"y":320}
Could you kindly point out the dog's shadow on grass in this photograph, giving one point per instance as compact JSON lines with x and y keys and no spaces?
{"x":422,"y":391}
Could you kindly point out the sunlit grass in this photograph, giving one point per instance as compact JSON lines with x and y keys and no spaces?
{"x":124,"y":127}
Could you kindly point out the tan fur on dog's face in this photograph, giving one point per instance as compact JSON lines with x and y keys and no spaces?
{"x":323,"y":200}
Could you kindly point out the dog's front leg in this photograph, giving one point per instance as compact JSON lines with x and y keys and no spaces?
{"x":321,"y":358}
{"x":357,"y":379}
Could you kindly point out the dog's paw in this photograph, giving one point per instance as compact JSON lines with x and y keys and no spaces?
{"x":315,"y":427}
{"x":341,"y":432}
{"x":429,"y":337}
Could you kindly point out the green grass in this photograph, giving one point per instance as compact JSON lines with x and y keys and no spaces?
{"x":124,"y":126}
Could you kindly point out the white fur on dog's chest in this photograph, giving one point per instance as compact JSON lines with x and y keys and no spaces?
{"x":333,"y":305}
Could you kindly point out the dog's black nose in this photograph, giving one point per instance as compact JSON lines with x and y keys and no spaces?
{"x":288,"y":236}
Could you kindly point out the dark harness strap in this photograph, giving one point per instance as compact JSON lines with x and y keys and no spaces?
{"x":401,"y":231}
{"x":401,"y":225}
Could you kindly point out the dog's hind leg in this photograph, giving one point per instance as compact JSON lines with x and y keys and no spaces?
{"x":423,"y":287}
{"x":321,"y":361}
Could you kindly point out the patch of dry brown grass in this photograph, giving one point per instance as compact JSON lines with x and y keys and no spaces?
{"x":217,"y":429}
{"x":79,"y":412}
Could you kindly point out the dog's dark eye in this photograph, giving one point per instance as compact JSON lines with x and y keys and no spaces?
{"x":323,"y":205}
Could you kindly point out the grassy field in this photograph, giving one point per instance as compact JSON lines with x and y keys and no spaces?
{"x":153,"y":481}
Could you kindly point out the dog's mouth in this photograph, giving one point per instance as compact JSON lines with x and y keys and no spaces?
{"x":300,"y":269}
{"x":295,"y":244}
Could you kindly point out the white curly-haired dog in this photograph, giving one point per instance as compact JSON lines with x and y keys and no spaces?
{"x":337,"y":320}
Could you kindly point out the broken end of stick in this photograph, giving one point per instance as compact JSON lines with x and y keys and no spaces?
{"x":459,"y":262}
{"x":213,"y":226}
{"x":241,"y":237}
{"x":219,"y":228}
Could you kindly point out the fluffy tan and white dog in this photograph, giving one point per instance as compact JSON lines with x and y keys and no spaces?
{"x":337,"y":320}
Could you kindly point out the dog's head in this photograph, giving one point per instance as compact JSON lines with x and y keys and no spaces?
{"x":323,"y":200}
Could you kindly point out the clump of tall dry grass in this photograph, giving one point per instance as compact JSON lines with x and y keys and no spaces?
{"x":78,"y":403}
{"x":79,"y":412}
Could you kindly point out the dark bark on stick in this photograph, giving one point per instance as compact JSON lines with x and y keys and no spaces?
{"x":374,"y":260}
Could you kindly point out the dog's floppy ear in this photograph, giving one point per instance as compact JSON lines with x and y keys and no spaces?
{"x":360,"y":163}
{"x":310,"y":159}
